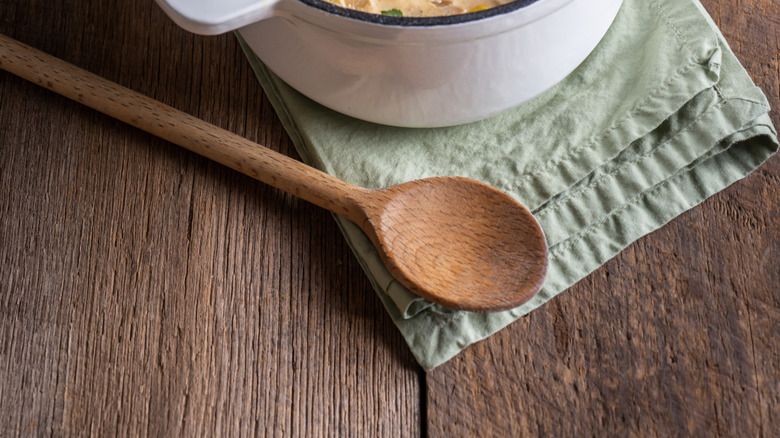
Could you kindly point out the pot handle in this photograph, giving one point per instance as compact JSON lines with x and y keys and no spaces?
{"x":213,"y":17}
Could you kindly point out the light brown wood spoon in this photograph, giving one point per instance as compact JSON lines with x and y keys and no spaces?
{"x":452,"y":240}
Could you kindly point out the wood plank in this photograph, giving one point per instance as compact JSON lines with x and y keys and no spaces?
{"x":676,"y":336}
{"x":148,"y":291}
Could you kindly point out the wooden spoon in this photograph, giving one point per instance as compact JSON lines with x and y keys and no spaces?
{"x":451,"y":240}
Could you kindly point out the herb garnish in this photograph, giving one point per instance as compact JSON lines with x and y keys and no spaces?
{"x":393,"y":12}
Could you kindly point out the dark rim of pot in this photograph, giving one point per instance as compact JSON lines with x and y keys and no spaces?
{"x":418,"y":21}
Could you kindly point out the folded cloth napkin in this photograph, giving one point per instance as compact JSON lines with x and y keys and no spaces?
{"x":659,"y":117}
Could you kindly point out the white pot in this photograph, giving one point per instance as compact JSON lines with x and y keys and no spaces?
{"x":413,"y":72}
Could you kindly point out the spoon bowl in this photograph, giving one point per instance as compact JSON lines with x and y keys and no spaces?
{"x":459,"y":243}
{"x":454,"y":241}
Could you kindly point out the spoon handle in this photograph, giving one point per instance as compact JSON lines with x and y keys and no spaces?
{"x":182,"y":129}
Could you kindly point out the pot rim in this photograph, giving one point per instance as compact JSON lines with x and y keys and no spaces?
{"x":214,"y":17}
{"x":390,"y":20}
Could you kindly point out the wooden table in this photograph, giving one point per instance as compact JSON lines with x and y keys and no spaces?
{"x":147,"y":291}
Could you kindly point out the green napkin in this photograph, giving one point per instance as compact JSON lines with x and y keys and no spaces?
{"x":659,"y":117}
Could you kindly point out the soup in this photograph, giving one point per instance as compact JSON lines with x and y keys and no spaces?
{"x":419,"y":8}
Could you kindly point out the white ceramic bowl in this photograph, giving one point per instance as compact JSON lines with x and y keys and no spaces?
{"x":412,"y":72}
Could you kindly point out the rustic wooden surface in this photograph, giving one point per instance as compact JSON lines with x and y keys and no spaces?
{"x":147,"y":291}
{"x":676,"y":336}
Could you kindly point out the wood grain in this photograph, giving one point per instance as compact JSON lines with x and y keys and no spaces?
{"x":676,"y":336}
{"x":147,"y":291}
